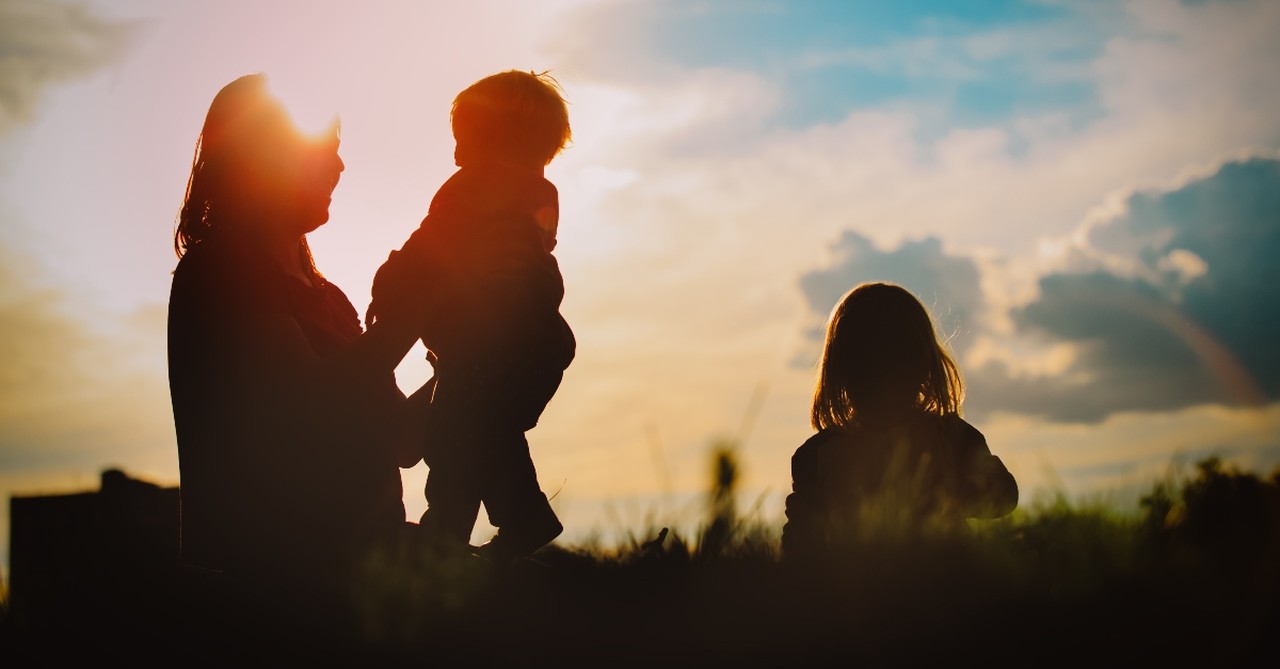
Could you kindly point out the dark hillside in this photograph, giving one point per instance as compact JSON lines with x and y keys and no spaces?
{"x":1194,"y":579}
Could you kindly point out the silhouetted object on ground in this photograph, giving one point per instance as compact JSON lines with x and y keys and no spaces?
{"x":1230,"y":513}
{"x":892,"y":454}
{"x":722,"y":504}
{"x":75,"y":556}
{"x":480,"y":269}
{"x":1223,"y":525}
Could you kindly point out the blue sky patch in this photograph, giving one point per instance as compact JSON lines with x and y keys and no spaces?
{"x":960,"y":61}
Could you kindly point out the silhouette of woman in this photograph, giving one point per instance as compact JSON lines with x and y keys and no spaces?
{"x":891,"y":452}
{"x":287,"y":412}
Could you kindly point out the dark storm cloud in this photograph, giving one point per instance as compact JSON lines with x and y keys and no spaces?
{"x":947,"y":284}
{"x":1194,"y":322}
{"x":45,"y":42}
{"x":1231,"y":221}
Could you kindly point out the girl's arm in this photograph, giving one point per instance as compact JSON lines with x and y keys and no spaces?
{"x":994,"y":492}
{"x":802,"y":532}
{"x":997,"y":489}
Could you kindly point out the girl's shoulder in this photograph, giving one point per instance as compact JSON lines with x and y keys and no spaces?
{"x":951,"y":424}
{"x":835,"y":446}
{"x":959,"y":434}
{"x":956,"y":425}
{"x":825,"y":438}
{"x":966,"y":431}
{"x":819,"y":442}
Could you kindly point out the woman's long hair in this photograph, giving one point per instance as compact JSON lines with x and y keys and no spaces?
{"x":881,"y":350}
{"x":246,"y":127}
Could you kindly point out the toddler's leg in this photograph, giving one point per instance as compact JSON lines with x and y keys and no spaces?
{"x":454,"y":455}
{"x":453,"y":502}
{"x":515,"y":502}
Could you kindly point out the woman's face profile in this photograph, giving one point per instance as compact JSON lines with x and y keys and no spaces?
{"x":318,"y":170}
{"x":294,"y":174}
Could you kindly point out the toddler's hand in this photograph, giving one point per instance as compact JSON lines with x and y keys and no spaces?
{"x":394,"y":292}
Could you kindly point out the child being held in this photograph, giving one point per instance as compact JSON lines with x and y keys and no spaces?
{"x":891,"y":450}
{"x":481,"y":270}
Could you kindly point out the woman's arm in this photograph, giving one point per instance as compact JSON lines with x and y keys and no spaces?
{"x":302,"y":394}
{"x":275,"y":342}
{"x":410,"y":435}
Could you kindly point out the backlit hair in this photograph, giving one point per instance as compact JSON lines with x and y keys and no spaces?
{"x":881,"y":349}
{"x":511,"y":116}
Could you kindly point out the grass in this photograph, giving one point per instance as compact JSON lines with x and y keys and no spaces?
{"x":1193,"y":577}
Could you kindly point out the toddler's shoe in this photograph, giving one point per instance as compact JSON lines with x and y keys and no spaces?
{"x":520,"y":540}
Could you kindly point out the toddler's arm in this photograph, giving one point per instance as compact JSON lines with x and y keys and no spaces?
{"x":407,"y":283}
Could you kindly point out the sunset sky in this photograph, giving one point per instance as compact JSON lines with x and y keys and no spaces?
{"x":1086,"y":194}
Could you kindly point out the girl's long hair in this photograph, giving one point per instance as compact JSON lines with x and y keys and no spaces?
{"x":244,"y":123}
{"x":881,"y":350}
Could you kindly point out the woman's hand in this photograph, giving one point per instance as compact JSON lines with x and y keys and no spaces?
{"x":410,"y":438}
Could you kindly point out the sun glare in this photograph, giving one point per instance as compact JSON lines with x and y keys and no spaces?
{"x":313,"y":107}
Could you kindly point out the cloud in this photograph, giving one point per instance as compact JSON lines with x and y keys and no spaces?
{"x":1121,"y":456}
{"x":831,"y":58}
{"x":1169,"y":304}
{"x":1104,"y":95}
{"x":46,"y":42}
{"x":947,"y":284}
{"x":78,"y":388}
